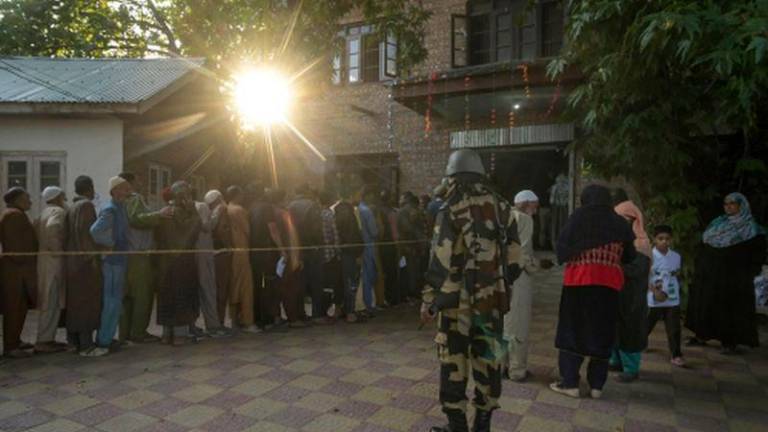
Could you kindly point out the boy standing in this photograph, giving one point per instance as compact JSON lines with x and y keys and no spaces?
{"x":664,"y":292}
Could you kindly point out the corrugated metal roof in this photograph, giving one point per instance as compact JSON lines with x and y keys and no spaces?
{"x":126,"y":81}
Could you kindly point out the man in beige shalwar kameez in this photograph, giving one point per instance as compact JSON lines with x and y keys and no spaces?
{"x":51,"y":233}
{"x":241,"y":284}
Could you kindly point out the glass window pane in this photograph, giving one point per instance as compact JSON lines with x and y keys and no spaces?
{"x":354,"y":46}
{"x":50,"y":174}
{"x":353,"y":30}
{"x":529,"y":35}
{"x":504,"y":54}
{"x":354,"y":75}
{"x":503,"y":22}
{"x":354,"y":61}
{"x":391,"y":51}
{"x":503,"y":38}
{"x":391,"y":68}
{"x":17,"y":174}
{"x":49,"y":169}
{"x":529,"y":52}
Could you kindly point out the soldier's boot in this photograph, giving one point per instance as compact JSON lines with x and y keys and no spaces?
{"x":482,"y":421}
{"x":456,"y":423}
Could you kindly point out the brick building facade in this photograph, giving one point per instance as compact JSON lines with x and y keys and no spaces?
{"x":396,"y":133}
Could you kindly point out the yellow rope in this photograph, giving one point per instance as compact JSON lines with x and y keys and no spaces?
{"x":200,"y":251}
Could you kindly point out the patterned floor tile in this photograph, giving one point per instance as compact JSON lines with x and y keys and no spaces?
{"x":377,"y":377}
{"x":195,"y":415}
{"x":331,"y":423}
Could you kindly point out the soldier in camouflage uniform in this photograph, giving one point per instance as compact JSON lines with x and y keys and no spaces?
{"x":468,"y":290}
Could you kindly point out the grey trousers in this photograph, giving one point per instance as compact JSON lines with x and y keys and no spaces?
{"x":206,"y":272}
{"x":517,"y":325}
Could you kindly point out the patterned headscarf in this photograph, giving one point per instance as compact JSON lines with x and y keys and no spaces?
{"x":628,"y":209}
{"x":727,"y":230}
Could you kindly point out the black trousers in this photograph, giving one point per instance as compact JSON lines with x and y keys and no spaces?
{"x":671,"y":317}
{"x":312,"y":282}
{"x":389,"y":264}
{"x":333,"y":280}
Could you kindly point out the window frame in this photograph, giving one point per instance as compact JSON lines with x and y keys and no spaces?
{"x":360,"y":32}
{"x":155,"y":197}
{"x":519,"y":14}
{"x":34,"y":161}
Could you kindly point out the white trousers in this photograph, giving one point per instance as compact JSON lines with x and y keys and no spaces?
{"x":517,"y":325}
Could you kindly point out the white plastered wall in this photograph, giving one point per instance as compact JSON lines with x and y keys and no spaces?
{"x":93,"y":146}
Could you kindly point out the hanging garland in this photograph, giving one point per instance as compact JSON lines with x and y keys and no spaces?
{"x":467,"y":121}
{"x":428,"y":114}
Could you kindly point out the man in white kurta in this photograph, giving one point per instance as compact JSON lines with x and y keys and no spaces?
{"x":51,"y":232}
{"x":517,"y":321}
{"x":206,"y":272}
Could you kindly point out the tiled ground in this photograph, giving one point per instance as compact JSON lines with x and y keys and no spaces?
{"x":377,"y":377}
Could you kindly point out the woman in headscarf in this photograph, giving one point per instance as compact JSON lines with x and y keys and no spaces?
{"x":594,"y":243}
{"x":722,"y":301}
{"x":631,"y":330}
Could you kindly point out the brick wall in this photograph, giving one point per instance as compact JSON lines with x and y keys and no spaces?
{"x":355,"y":118}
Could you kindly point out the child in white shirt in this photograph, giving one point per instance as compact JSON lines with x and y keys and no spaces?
{"x":664,"y":291}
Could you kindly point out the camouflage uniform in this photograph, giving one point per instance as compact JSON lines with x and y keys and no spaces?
{"x":465,"y":283}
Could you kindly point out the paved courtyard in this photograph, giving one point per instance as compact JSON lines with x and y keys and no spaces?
{"x":377,"y":377}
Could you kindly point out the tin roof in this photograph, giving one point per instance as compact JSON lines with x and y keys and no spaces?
{"x":39,"y":80}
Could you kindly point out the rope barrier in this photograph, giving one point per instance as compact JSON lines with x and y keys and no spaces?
{"x":201,"y":251}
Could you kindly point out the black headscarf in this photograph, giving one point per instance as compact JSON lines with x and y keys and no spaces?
{"x":594,"y":224}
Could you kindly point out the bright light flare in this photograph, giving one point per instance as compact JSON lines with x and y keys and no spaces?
{"x":262,"y":96}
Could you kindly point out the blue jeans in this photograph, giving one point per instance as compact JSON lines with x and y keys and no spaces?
{"x":370,"y":276}
{"x":111,"y":302}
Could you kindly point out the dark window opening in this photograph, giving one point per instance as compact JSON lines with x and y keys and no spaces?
{"x":509,"y":30}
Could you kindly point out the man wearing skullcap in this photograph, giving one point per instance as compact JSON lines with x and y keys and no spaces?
{"x":18,"y":275}
{"x":177,"y":277}
{"x":51,"y":233}
{"x":517,"y":321}
{"x":140,"y":279}
{"x":83,"y":298}
{"x":222,"y":240}
{"x":111,"y":232}
{"x":206,"y":272}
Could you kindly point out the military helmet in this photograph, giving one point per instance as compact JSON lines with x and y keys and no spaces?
{"x":464,"y":161}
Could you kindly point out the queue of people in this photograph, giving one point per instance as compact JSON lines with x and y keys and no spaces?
{"x":252,"y":255}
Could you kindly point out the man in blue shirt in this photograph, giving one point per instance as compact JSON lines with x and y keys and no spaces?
{"x":111,"y":231}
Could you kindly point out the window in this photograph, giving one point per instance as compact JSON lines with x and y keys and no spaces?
{"x":508,"y":30}
{"x":458,"y":41}
{"x":159,"y":179}
{"x":365,"y":56}
{"x":551,"y":28}
{"x":33,"y":172}
{"x":17,"y":174}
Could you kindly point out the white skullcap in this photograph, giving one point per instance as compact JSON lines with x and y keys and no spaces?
{"x":212,"y":196}
{"x":51,"y":193}
{"x":526,"y":196}
{"x":115,"y":182}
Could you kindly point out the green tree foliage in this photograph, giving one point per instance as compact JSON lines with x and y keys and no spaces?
{"x":673,"y":99}
{"x":226,"y":32}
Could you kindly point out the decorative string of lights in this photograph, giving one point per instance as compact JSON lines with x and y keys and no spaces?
{"x":467,"y":120}
{"x":428,"y":114}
